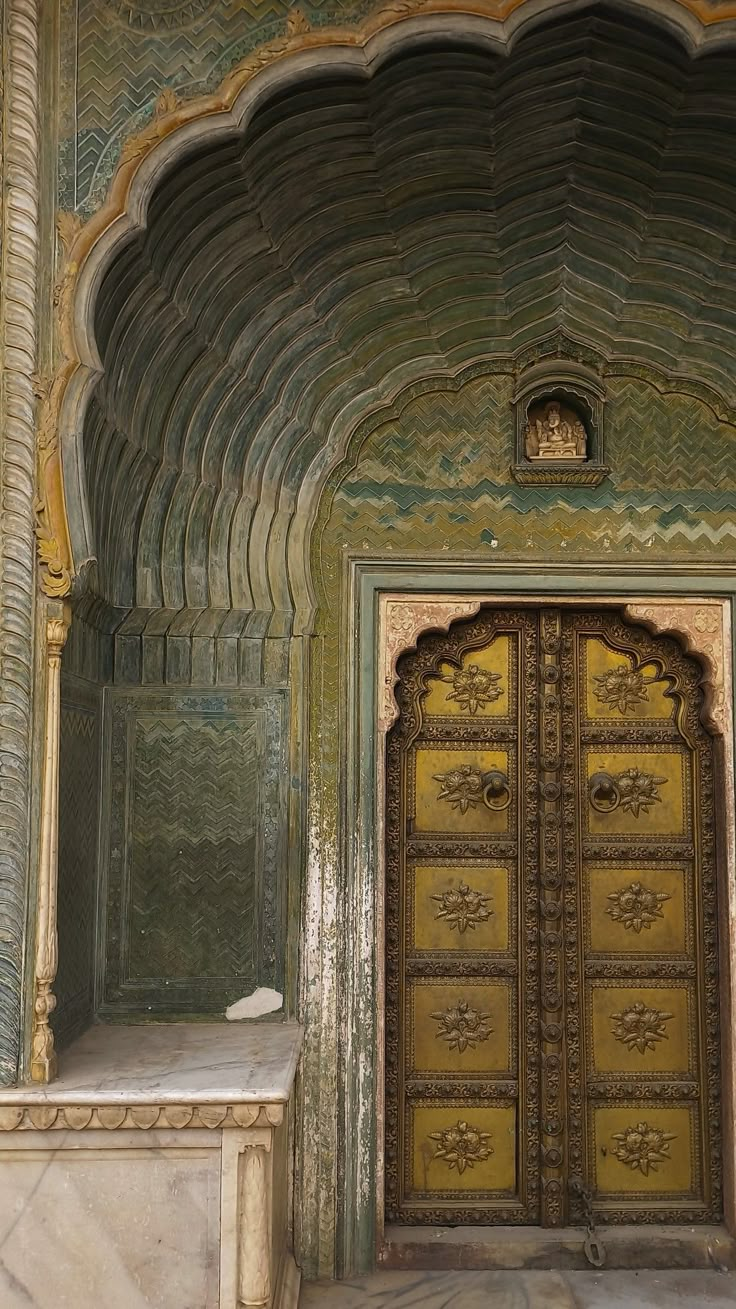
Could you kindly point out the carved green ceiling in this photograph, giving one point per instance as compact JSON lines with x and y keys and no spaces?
{"x":458,"y":206}
{"x":119,"y":54}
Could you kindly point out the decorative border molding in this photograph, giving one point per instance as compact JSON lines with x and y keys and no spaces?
{"x":401,"y":621}
{"x":78,"y":1118}
{"x":19,"y":346}
{"x":704,"y":629}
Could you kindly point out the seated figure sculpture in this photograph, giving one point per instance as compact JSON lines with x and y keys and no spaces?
{"x":552,"y":436}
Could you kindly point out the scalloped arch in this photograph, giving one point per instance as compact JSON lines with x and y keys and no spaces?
{"x":279,"y":260}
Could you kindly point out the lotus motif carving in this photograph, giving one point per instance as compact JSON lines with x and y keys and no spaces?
{"x":462,"y":1026}
{"x":473,"y":687}
{"x":643,"y":1148}
{"x":461,"y":1146}
{"x":462,"y":907}
{"x":638,"y":790}
{"x":622,"y":688}
{"x":637,"y":907}
{"x":640,"y":1027}
{"x":462,"y":787}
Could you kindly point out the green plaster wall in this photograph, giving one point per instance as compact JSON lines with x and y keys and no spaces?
{"x":437,"y":480}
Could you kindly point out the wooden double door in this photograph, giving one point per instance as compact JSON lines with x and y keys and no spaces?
{"x":552,"y":1042}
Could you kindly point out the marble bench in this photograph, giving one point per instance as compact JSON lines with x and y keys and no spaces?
{"x":153,"y":1173}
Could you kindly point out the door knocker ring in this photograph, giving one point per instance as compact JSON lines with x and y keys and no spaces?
{"x":604,"y":793}
{"x":496,"y":790}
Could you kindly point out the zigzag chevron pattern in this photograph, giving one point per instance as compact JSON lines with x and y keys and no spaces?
{"x":128,"y":52}
{"x":194,"y":861}
{"x":437,"y":479}
{"x":78,"y":807}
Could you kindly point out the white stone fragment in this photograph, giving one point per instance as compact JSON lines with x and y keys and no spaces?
{"x":262,"y":1001}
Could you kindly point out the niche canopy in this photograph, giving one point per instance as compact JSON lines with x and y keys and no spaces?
{"x":559,"y":425}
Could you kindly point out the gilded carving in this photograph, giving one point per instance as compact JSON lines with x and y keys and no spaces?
{"x":462,"y":1026}
{"x":633,"y":790}
{"x":463,"y":908}
{"x":297,"y":23}
{"x":640,"y":1027}
{"x":462,"y":787}
{"x":462,"y":1146}
{"x":473,"y":687}
{"x":643,"y":1148}
{"x":68,"y":224}
{"x":636,"y":906}
{"x":622,"y":688}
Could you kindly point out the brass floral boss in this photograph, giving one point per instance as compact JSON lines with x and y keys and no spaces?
{"x":634,"y":790}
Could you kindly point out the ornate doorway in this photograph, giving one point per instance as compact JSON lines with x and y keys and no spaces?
{"x":552,"y":1043}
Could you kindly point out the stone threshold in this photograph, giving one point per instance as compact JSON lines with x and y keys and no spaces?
{"x":508,"y":1248}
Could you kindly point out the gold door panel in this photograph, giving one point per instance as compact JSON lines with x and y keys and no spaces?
{"x":552,"y":1007}
{"x":615,"y":690}
{"x":448,"y":791}
{"x":459,"y":1028}
{"x":463,"y":1146}
{"x":461,"y":907}
{"x":641,"y":1030}
{"x":480,"y":687}
{"x":639,"y":910}
{"x":645,"y":1149}
{"x":653,"y":787}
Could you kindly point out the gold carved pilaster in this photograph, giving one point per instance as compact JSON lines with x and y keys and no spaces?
{"x":43,"y":1057}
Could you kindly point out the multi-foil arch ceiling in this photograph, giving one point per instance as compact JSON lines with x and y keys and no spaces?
{"x":460,"y":203}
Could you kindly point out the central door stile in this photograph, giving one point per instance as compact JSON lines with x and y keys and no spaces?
{"x":551,"y":841}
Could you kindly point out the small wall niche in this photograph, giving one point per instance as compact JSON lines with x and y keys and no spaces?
{"x":558,"y":409}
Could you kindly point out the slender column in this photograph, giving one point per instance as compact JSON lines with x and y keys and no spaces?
{"x":19,"y":238}
{"x":43,"y":1056}
{"x":254,"y":1234}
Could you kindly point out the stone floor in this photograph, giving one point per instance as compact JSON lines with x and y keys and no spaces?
{"x":526,"y":1290}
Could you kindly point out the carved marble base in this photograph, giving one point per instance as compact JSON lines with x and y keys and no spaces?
{"x":154,"y":1172}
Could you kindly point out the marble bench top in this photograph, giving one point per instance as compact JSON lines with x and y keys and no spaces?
{"x":172,"y":1063}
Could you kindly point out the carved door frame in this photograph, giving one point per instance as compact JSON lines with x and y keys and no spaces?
{"x":703,"y":625}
